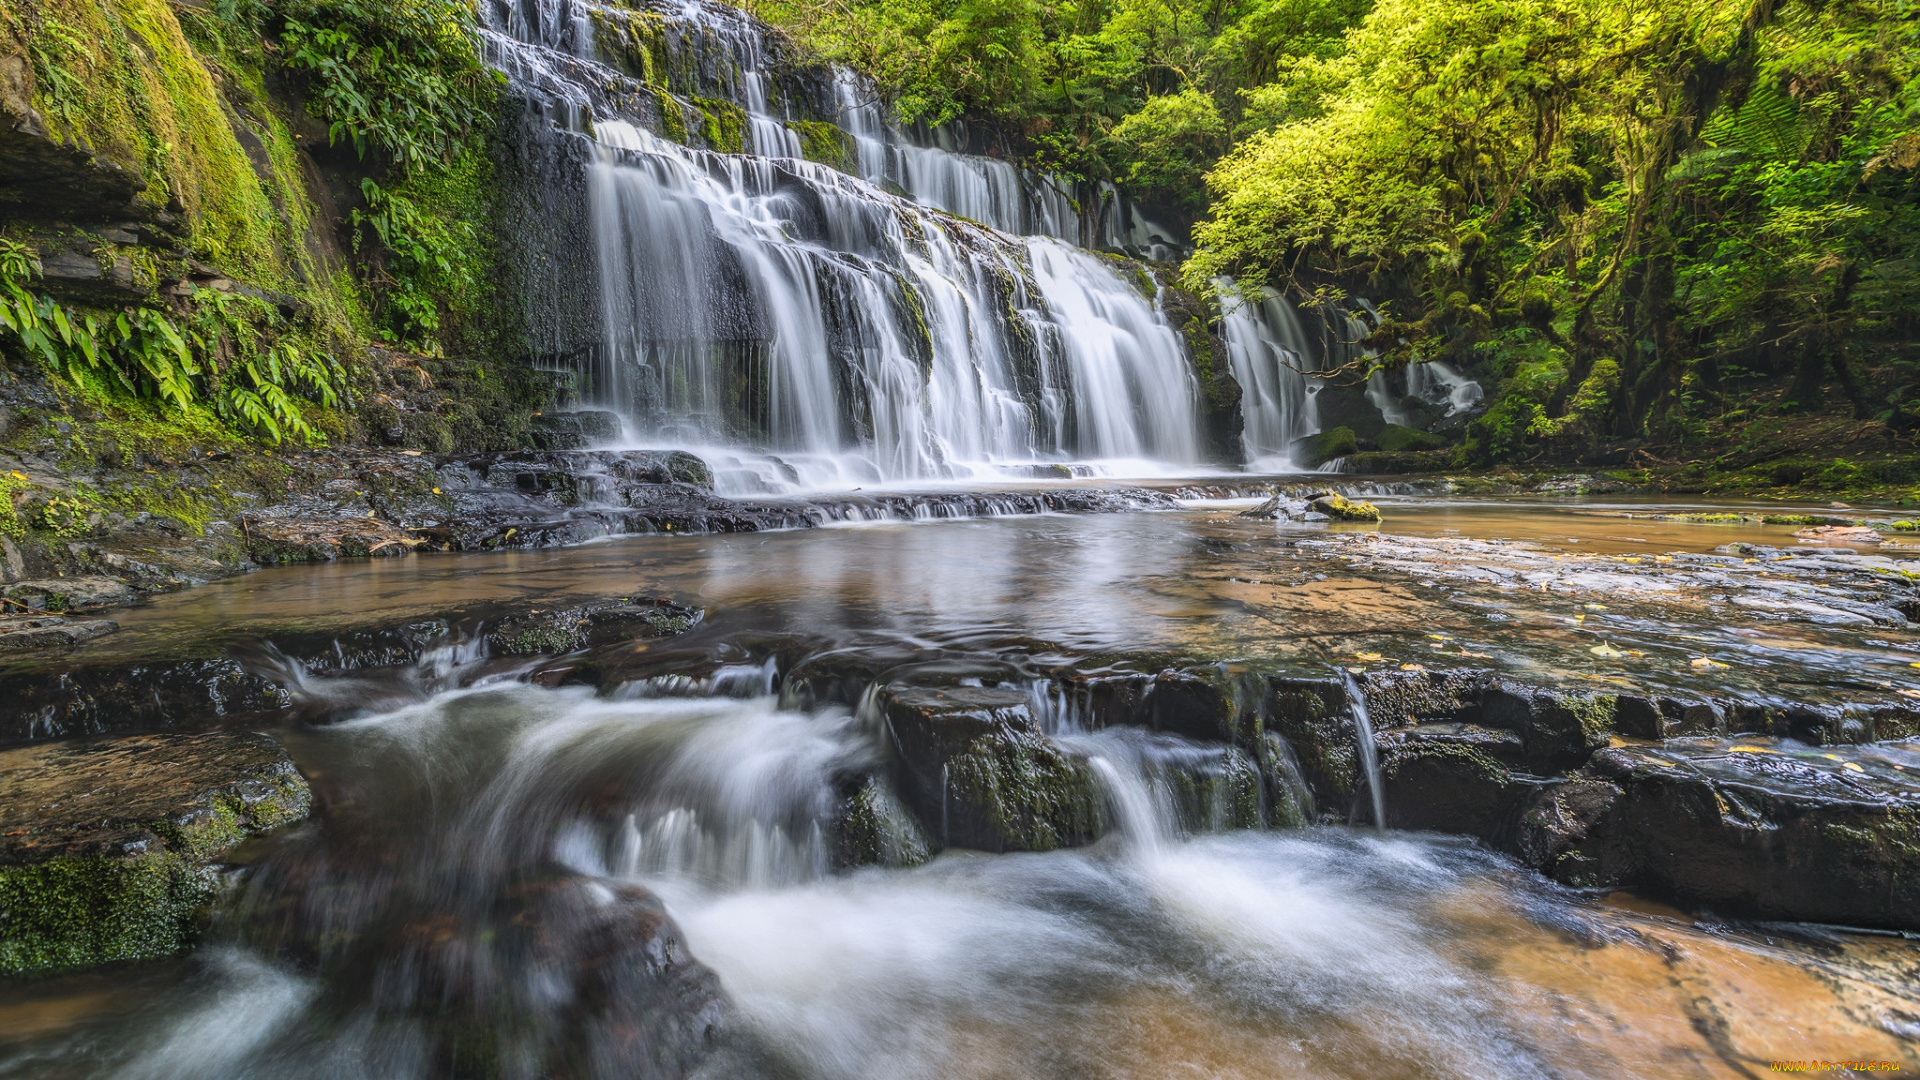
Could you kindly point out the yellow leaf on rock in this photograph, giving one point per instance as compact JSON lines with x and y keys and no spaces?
{"x":1369,"y":657}
{"x":1603,"y":649}
{"x":1411,"y":667}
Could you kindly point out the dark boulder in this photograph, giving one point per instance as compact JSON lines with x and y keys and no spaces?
{"x":979,"y":774}
{"x":1395,"y":438}
{"x":1317,"y":449}
{"x":589,"y":978}
{"x":1767,"y":828}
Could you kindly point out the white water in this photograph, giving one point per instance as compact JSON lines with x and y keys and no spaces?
{"x":1440,"y":383}
{"x":1273,"y":362}
{"x":1320,"y":953}
{"x":860,"y":338}
{"x":824,"y":333}
{"x":1363,"y":744}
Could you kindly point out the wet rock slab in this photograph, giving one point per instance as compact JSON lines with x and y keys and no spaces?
{"x":1764,"y":828}
{"x":1829,"y":588}
{"x":218,"y":681}
{"x":107,"y":847}
{"x":979,"y":773}
{"x":46,"y":631}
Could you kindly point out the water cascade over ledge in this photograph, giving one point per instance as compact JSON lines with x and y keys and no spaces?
{"x":806,"y":328}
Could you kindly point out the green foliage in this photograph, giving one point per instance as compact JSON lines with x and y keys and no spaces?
{"x":234,"y":353}
{"x":403,"y":77}
{"x":54,"y":52}
{"x":1065,"y":79}
{"x":403,"y":80}
{"x":1664,"y":197}
{"x":1168,"y":146}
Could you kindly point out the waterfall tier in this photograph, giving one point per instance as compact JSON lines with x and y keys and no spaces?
{"x":770,"y":266}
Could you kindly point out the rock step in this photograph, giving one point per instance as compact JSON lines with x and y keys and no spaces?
{"x":107,"y":847}
{"x":224,"y":680}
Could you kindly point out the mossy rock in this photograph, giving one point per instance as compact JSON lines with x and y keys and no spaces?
{"x":1397,"y":438}
{"x":1766,"y":828}
{"x":107,"y":846}
{"x":978,"y":773}
{"x":1318,"y":449}
{"x":826,"y":144}
{"x":1340,"y":508}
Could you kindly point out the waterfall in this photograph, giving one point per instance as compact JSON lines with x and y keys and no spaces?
{"x":1363,"y":742}
{"x":1440,"y":383}
{"x":1270,"y":358}
{"x":803,"y":325}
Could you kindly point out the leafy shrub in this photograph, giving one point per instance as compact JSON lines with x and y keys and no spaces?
{"x":235,"y":354}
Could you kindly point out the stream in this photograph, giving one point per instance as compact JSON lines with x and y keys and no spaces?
{"x":644,"y":881}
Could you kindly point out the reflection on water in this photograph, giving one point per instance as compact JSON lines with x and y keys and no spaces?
{"x":1160,"y":952}
{"x":1202,"y":581}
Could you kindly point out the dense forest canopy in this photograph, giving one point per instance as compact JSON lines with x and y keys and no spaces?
{"x":1628,"y":213}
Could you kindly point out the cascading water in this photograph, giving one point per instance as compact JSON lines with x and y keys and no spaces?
{"x":1440,"y":383}
{"x":1273,"y":362}
{"x":1363,"y":745}
{"x":847,"y":337}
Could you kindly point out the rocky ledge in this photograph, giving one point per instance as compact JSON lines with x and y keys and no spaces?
{"x":109,"y":849}
{"x":1751,"y":807}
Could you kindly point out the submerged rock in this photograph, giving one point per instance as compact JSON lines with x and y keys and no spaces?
{"x":107,"y":847}
{"x":39,"y":631}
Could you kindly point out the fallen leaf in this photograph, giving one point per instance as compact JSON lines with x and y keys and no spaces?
{"x":1603,"y":649}
{"x":1369,"y":657}
{"x":1411,"y":667}
{"x":1704,"y":664}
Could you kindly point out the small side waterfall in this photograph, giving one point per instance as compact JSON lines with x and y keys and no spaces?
{"x":1363,"y":741}
{"x":1273,"y":362}
{"x":1440,"y":383}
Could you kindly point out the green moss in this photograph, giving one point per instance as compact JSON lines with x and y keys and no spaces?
{"x":826,"y":144}
{"x":1595,"y":712}
{"x":673,"y":117}
{"x":1032,"y":797}
{"x":723,"y":125}
{"x":80,"y":911}
{"x":875,"y":830}
{"x":142,"y":99}
{"x":1395,"y":438}
{"x":633,"y":42}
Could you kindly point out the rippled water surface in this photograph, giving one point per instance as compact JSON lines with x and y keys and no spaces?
{"x":1167,"y":949}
